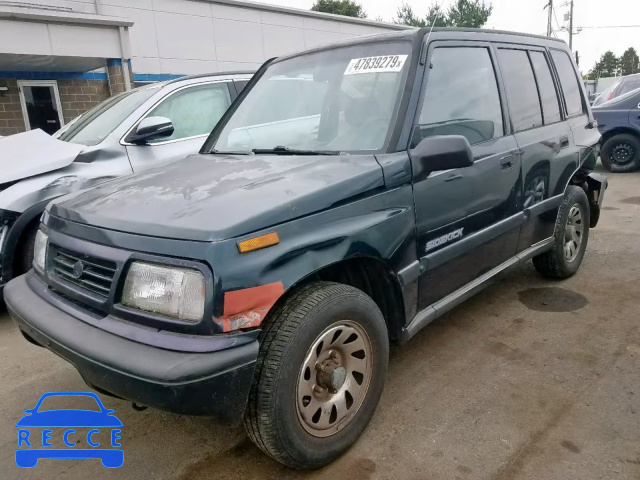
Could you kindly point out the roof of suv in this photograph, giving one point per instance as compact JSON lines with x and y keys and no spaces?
{"x":439,"y":33}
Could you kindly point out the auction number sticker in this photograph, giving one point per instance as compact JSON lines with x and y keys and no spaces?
{"x":384,"y":63}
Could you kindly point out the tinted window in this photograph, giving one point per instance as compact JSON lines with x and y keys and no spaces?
{"x":548,"y":95}
{"x":461,"y":97}
{"x":194,"y":110}
{"x":569,"y":82}
{"x":524,"y":105}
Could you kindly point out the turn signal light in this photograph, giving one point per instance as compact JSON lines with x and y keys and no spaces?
{"x":258,"y":242}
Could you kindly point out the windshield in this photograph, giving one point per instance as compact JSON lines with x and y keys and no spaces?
{"x":629,"y":84}
{"x":95,"y":125}
{"x":622,"y":98}
{"x":341,"y":99}
{"x":606,"y":95}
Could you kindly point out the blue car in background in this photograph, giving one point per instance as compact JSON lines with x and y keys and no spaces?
{"x":619,"y":123}
{"x":31,"y":448}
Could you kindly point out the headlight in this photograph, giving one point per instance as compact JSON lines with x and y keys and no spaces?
{"x":40,"y":250}
{"x":171,"y":291}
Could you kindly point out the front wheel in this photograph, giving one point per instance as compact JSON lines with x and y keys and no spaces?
{"x":570,"y":237}
{"x":319,"y":375}
{"x":621,"y":153}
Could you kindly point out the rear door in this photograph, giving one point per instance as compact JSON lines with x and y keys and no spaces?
{"x":585,"y":136}
{"x":463,"y":216}
{"x":194,"y":110}
{"x":543,"y":136}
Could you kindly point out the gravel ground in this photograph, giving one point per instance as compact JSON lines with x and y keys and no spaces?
{"x":531,"y":379}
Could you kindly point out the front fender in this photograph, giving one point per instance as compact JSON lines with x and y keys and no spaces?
{"x":12,"y":240}
{"x":380,"y":226}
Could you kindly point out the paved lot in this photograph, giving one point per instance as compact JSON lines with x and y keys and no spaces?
{"x":529,"y":380}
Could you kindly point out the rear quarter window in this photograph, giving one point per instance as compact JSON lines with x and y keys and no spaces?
{"x":569,"y":82}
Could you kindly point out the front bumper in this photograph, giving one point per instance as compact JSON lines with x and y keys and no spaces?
{"x":214,"y":383}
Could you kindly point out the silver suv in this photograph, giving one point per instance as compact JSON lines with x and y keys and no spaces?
{"x":125,"y":134}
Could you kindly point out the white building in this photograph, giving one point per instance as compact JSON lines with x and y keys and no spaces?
{"x":59,"y":58}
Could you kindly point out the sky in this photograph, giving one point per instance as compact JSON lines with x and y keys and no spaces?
{"x":529,"y":16}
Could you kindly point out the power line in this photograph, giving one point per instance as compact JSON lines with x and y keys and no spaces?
{"x":614,"y":26}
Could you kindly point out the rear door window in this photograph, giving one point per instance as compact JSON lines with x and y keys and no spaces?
{"x":569,"y":82}
{"x":461,"y":97}
{"x":524,"y":104}
{"x":548,"y":94}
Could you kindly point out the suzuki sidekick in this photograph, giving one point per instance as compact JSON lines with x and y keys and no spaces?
{"x":352,"y":194}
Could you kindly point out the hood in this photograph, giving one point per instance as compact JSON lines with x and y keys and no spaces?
{"x":215,"y":197}
{"x":30,"y":153}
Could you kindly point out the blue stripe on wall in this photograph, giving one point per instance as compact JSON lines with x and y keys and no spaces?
{"x":154,"y":77}
{"x":54,"y":75}
{"x":137,"y":77}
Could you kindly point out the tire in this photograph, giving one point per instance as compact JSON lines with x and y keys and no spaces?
{"x":621,"y":153}
{"x":280,"y":415}
{"x":25,"y":251}
{"x":572,"y":223}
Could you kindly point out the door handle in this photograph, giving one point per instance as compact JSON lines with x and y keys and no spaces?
{"x":506,"y":162}
{"x":564,"y":141}
{"x":453,"y":176}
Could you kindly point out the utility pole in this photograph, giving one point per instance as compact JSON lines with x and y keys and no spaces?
{"x":571,"y":25}
{"x":550,"y":7}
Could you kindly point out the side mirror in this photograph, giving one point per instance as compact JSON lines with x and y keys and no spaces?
{"x":150,"y":128}
{"x":438,"y":153}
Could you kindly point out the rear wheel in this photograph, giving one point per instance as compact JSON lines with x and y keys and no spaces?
{"x":570,"y":237}
{"x":319,"y":374}
{"x":621,"y":153}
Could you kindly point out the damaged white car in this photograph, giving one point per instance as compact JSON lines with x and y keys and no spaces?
{"x":125,"y":134}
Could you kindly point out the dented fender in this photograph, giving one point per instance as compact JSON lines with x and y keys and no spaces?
{"x":380,"y":226}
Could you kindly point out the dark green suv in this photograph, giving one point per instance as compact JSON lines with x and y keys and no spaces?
{"x":352,"y":194}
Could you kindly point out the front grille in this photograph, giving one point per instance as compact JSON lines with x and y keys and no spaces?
{"x":90,"y":273}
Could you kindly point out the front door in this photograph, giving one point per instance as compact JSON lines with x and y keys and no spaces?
{"x":463,"y":216}
{"x":41,"y":105}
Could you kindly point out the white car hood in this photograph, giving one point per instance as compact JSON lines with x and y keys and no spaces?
{"x":31,"y":153}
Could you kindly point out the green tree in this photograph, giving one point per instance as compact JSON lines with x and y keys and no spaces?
{"x":405,"y":16}
{"x":607,"y":66}
{"x":348,"y":8}
{"x":463,"y":13}
{"x":436,"y":17}
{"x":629,"y":62}
{"x":468,"y":13}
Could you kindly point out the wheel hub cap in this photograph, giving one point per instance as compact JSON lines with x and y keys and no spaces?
{"x":334,"y":378}
{"x":573,"y":233}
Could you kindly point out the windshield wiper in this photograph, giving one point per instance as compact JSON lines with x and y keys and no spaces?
{"x":281,"y":150}
{"x":220,"y":152}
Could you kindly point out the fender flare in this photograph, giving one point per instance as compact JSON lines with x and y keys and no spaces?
{"x":14,"y":235}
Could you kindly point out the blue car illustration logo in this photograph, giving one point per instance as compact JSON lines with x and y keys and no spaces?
{"x":61,"y":424}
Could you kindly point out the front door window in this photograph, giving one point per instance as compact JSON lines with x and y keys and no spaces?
{"x":41,"y":106}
